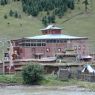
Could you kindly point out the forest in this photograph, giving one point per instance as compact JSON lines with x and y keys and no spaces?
{"x":58,"y":7}
{"x":50,"y":9}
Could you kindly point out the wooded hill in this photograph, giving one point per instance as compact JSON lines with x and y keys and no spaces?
{"x":58,"y":7}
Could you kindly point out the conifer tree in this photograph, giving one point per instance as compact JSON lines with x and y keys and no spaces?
{"x":33,"y":7}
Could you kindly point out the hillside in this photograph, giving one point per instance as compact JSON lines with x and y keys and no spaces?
{"x":81,"y":25}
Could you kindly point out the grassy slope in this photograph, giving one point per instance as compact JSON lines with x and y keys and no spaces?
{"x":81,"y":25}
{"x":49,"y":81}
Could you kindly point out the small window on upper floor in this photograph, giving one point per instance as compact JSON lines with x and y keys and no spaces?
{"x":79,"y":47}
{"x":59,"y":49}
{"x":27,"y":44}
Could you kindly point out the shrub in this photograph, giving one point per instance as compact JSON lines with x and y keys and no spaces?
{"x":32,"y":74}
{"x":5,"y":16}
{"x":11,"y":13}
{"x":16,"y":14}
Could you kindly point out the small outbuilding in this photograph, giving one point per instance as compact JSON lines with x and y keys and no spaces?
{"x":88,"y":69}
{"x":88,"y":73}
{"x":86,"y":58}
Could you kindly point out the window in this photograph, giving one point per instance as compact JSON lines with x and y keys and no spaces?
{"x":47,"y":41}
{"x":48,"y":49}
{"x":61,"y":41}
{"x":65,"y":41}
{"x":34,"y":44}
{"x":23,"y":40}
{"x":75,"y":47}
{"x":31,"y":44}
{"x":59,"y":49}
{"x":38,"y":40}
{"x":27,"y":44}
{"x":27,"y":40}
{"x":79,"y":47}
{"x":43,"y":40}
{"x":23,"y":44}
{"x":57,"y":41}
{"x":43,"y":44}
{"x":38,"y":44}
{"x":54,"y":41}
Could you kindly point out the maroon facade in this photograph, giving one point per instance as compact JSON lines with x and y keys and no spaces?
{"x":28,"y":48}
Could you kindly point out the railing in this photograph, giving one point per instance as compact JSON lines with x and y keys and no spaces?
{"x":85,"y":77}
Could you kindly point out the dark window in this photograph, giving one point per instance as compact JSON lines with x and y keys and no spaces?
{"x":23,"y":40}
{"x":75,"y":47}
{"x":38,"y":40}
{"x":34,"y":44}
{"x":38,"y":44}
{"x":59,"y":49}
{"x":65,"y":41}
{"x":27,"y":44}
{"x":31,"y":44}
{"x":43,"y":40}
{"x":79,"y":47}
{"x":48,"y":41}
{"x":51,"y":41}
{"x":58,"y":41}
{"x":61,"y":41}
{"x":54,"y":41}
{"x":43,"y":44}
{"x":32,"y":40}
{"x":27,"y":40}
{"x":23,"y":44}
{"x":6,"y":54}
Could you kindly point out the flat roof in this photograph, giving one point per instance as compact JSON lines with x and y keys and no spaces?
{"x":56,"y":36}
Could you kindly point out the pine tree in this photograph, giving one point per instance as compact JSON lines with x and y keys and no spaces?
{"x":16,"y":14}
{"x":44,"y":21}
{"x":36,"y":6}
{"x":3,"y":2}
{"x":53,"y":19}
{"x":11,"y":13}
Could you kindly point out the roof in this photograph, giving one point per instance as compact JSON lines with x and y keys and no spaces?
{"x":47,"y":59}
{"x":51,"y":27}
{"x":86,"y":57}
{"x":89,"y":68}
{"x":55,"y":36}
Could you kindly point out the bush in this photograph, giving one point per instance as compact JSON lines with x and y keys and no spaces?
{"x":32,"y":74}
{"x":11,"y":13}
{"x":5,"y":16}
{"x":16,"y":14}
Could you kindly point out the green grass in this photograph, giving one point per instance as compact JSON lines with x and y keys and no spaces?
{"x":52,"y":80}
{"x":11,"y":79}
{"x":48,"y":80}
{"x":81,"y":25}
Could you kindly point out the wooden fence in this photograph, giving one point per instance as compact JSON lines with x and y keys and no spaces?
{"x":85,"y":77}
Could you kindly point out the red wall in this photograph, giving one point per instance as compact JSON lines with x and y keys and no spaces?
{"x":52,"y":48}
{"x":53,"y":31}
